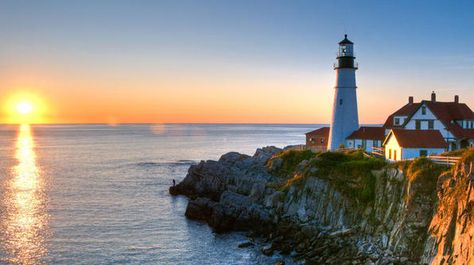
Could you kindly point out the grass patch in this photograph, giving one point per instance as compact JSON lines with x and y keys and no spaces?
{"x":349,"y":172}
{"x":459,"y":152}
{"x":424,"y":173}
{"x":285,"y":163}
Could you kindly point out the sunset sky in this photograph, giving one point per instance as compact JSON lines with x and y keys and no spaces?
{"x":227,"y":61}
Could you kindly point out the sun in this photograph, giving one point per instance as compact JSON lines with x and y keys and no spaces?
{"x":24,"y":108}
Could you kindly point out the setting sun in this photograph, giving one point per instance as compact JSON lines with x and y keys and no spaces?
{"x":24,"y":107}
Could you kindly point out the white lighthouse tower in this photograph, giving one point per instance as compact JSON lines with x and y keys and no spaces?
{"x":345,"y":118}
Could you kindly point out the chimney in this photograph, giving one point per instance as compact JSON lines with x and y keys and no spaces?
{"x":433,"y":96}
{"x":410,"y":100}
{"x":456,"y":99}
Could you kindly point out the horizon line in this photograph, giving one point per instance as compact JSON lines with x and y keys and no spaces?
{"x":178,"y":123}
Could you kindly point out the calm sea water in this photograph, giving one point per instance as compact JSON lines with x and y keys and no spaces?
{"x":94,"y":194}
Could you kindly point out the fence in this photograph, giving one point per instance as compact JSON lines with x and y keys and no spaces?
{"x":444,"y":160}
{"x":378,"y":151}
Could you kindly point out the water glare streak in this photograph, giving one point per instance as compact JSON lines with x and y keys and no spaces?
{"x":25,"y":219}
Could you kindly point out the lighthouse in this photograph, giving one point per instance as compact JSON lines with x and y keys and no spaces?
{"x":345,"y":118}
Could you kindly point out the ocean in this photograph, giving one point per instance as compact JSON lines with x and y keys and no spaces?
{"x":98,"y":194}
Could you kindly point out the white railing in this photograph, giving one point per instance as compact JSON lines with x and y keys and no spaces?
{"x":441,"y":160}
{"x":378,"y":151}
{"x":444,"y":160}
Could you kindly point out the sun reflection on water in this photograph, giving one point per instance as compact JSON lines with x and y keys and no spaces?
{"x":26,"y":217}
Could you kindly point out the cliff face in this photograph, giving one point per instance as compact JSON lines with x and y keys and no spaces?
{"x":452,"y":227}
{"x":337,"y":207}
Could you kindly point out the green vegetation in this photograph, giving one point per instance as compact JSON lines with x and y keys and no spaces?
{"x":349,"y":172}
{"x":467,"y":156}
{"x":289,"y":160}
{"x":459,"y":152}
{"x":423,"y":173}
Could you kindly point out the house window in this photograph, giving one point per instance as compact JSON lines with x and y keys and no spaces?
{"x":397,"y":121}
{"x":431,"y":124}
{"x":340,"y":101}
{"x":394,"y":154}
{"x":423,"y":153}
{"x":364,"y":143}
{"x":418,"y":124}
{"x":375,"y":143}
{"x":322,"y":140}
{"x":389,"y":153}
{"x":423,"y":110}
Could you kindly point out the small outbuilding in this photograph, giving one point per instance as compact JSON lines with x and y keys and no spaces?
{"x":317,"y":140}
{"x":403,"y":144}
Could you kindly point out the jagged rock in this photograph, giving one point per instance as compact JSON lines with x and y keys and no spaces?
{"x":344,"y":232}
{"x":199,"y":209}
{"x":322,"y":223}
{"x":267,"y":250}
{"x":246,"y":244}
{"x":276,"y":164}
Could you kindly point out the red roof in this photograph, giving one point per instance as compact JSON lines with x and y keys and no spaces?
{"x":407,"y":110}
{"x":324,"y":132}
{"x":419,"y":138}
{"x":446,"y":112}
{"x":368,"y":133}
{"x":449,"y":112}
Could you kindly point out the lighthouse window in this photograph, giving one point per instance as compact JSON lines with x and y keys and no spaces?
{"x":340,"y":101}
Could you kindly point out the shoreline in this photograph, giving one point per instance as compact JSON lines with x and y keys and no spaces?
{"x":338,"y":207}
{"x":233,"y":194}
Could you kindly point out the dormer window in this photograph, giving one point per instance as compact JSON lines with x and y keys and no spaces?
{"x":423,"y":110}
{"x":397,"y":121}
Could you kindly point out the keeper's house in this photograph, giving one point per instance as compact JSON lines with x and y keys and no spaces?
{"x":403,"y":144}
{"x":454,"y":120}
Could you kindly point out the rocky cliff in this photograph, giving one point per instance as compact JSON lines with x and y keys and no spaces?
{"x":340,"y":208}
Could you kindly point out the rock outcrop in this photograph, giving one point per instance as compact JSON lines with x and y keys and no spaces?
{"x":329,"y":208}
{"x":452,"y":227}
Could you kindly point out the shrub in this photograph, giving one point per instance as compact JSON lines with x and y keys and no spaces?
{"x":290,"y":160}
{"x":424,"y":173}
{"x":349,"y":172}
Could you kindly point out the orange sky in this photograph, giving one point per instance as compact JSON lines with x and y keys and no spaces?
{"x":264,"y":97}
